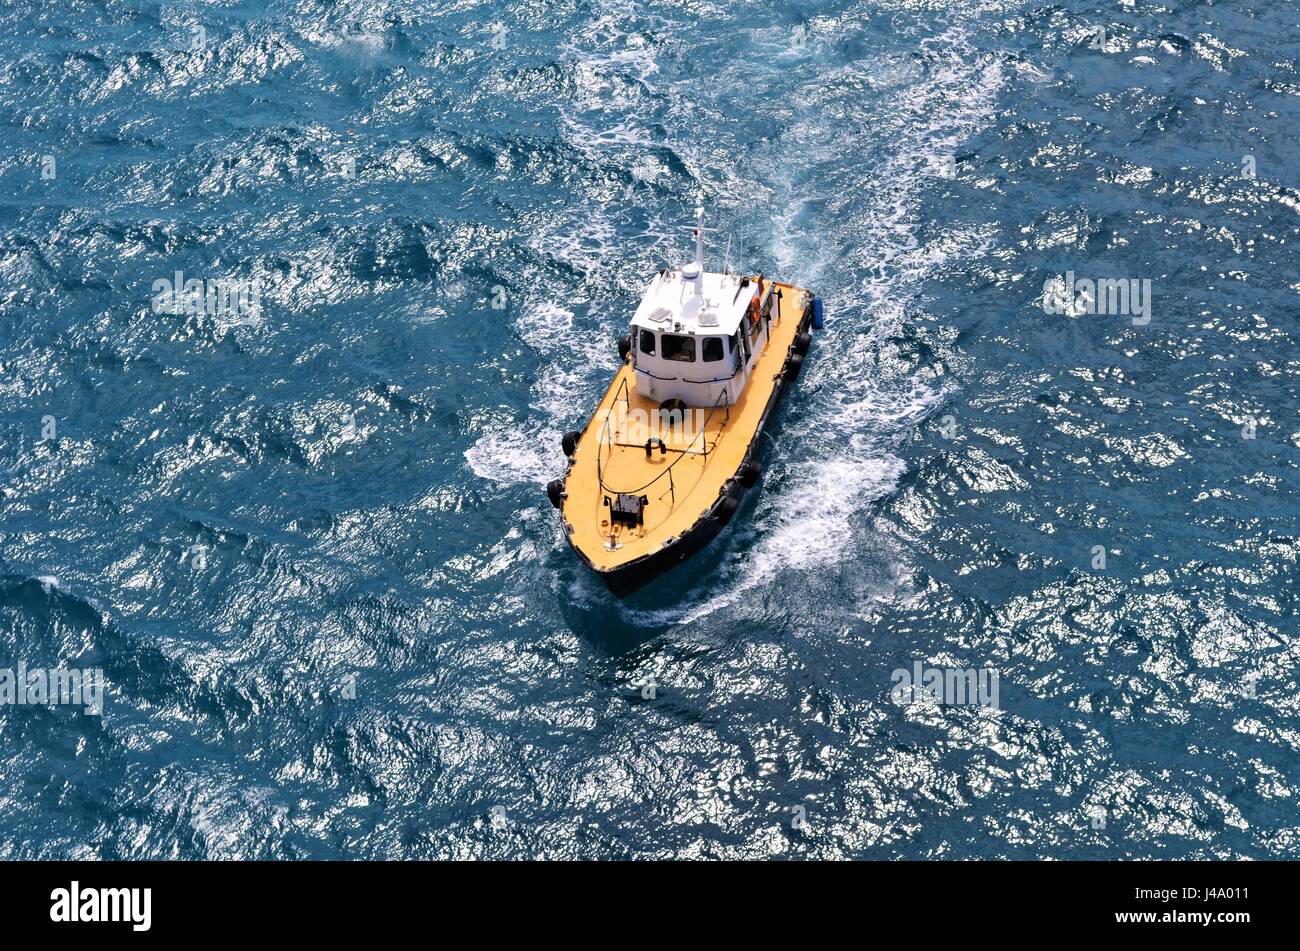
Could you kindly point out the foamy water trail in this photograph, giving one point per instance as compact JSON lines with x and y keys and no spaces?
{"x":841,"y":218}
{"x":868,"y":266}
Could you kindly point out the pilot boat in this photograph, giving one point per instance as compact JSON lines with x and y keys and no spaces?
{"x":666,"y":458}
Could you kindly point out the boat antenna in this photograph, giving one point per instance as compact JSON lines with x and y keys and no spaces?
{"x":698,"y":230}
{"x":699,"y":237}
{"x":726,"y":262}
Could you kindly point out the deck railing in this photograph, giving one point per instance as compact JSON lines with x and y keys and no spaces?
{"x":607,"y":443}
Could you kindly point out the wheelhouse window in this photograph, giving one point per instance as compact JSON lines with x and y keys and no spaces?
{"x":679,"y":347}
{"x":713,"y":350}
{"x":648,"y":342}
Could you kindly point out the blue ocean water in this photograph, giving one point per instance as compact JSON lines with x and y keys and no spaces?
{"x":311,"y":550}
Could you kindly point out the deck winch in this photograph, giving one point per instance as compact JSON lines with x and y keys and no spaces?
{"x":627,"y":509}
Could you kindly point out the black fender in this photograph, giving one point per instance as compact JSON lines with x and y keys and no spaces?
{"x":727,"y":508}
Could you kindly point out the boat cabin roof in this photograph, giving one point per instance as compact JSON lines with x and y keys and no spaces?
{"x":691,"y":301}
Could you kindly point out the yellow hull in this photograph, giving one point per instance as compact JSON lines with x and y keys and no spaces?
{"x":693,"y":482}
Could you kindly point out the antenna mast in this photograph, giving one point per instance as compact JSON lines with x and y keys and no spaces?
{"x":698,"y":230}
{"x":699,"y":237}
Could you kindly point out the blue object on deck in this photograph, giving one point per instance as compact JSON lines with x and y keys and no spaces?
{"x":819,"y":318}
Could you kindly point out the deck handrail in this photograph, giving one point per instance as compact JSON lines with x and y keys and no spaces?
{"x":600,"y":443}
{"x":682,"y":453}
